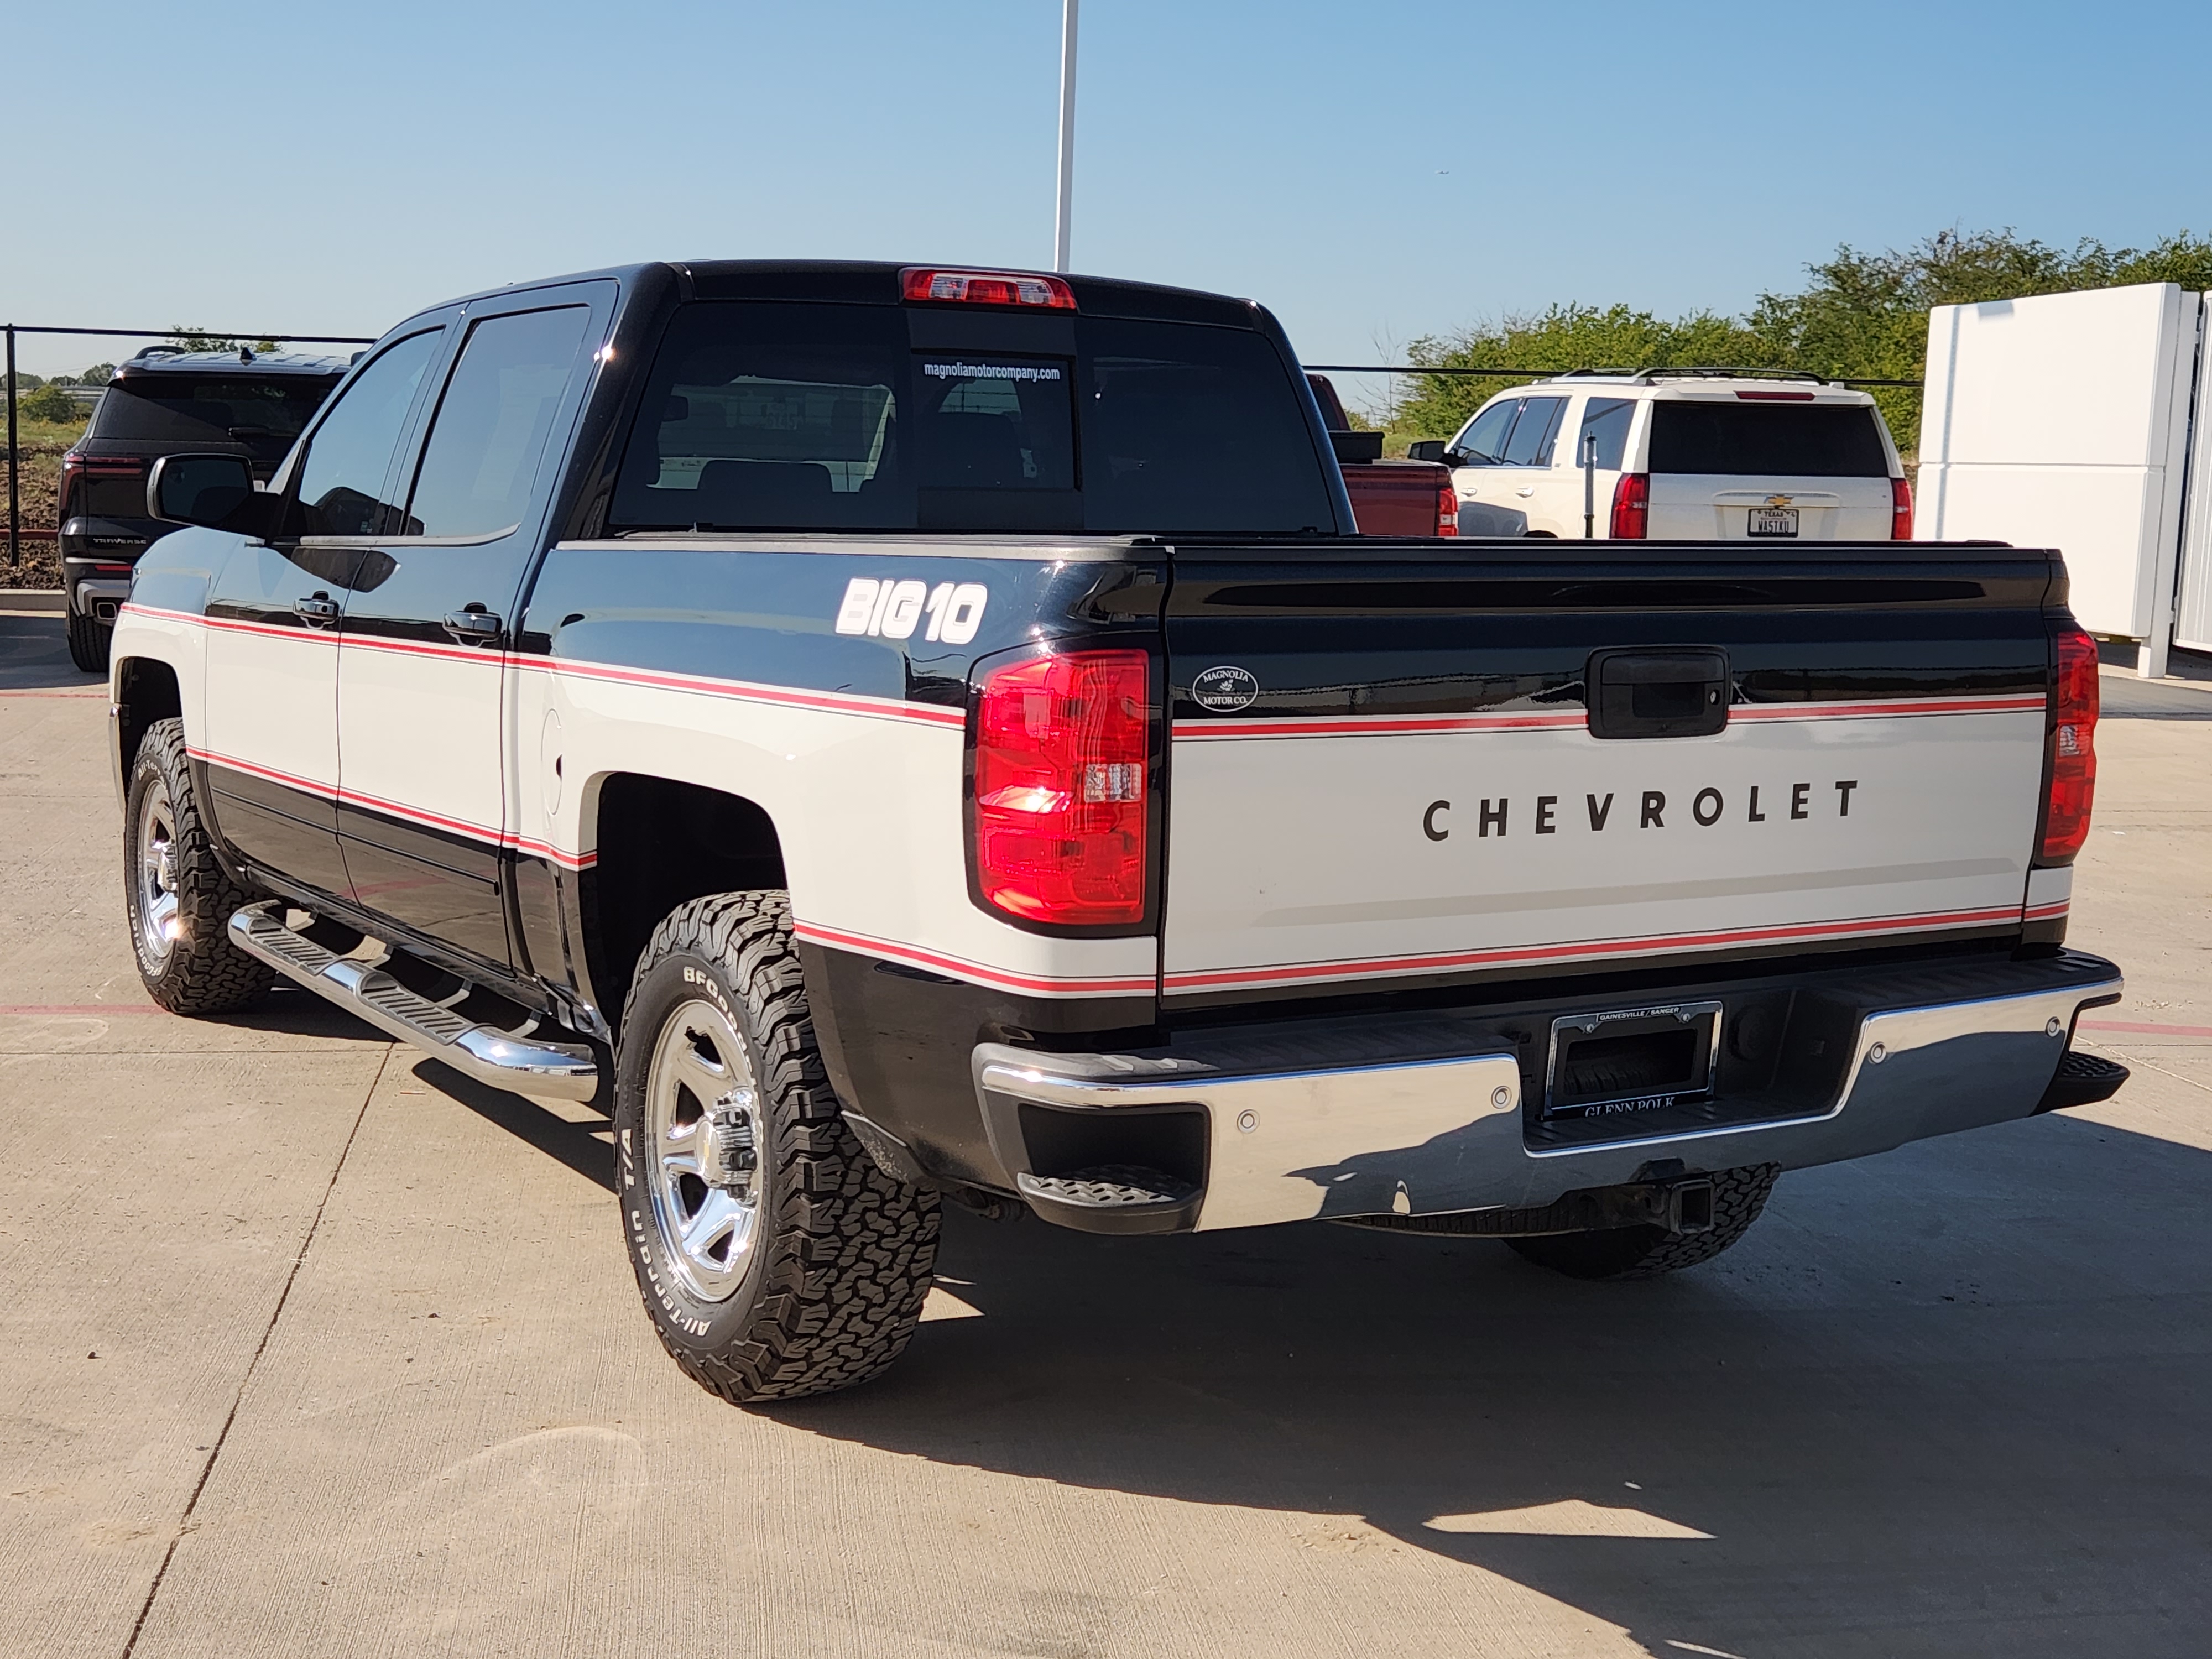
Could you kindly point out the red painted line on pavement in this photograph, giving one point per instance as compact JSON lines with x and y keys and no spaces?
{"x":78,"y":1010}
{"x":80,"y":696}
{"x":2145,"y":1031}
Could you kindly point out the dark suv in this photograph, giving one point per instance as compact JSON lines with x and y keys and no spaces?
{"x":167,"y":401}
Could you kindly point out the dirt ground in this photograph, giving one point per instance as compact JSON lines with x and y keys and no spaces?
{"x":40,"y":460}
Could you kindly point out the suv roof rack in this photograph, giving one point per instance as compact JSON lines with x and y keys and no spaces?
{"x":1645,"y":376}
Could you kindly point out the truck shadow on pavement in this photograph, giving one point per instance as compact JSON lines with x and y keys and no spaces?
{"x":1951,"y":1400}
{"x":576,"y":1144}
{"x":34,"y":656}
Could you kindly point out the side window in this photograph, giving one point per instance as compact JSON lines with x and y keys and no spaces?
{"x":341,"y":482}
{"x":1606,"y":419}
{"x":1534,"y":433}
{"x":1484,"y":440}
{"x":490,"y":433}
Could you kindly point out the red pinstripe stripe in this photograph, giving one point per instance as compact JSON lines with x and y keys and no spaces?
{"x":384,"y":642}
{"x":1876,"y":708}
{"x":1337,"y":726}
{"x":2045,"y":912}
{"x":418,"y":815}
{"x":231,"y":624}
{"x":833,"y":702}
{"x":975,"y":972}
{"x":1293,"y":973}
{"x":412,"y":814}
{"x":251,"y":768}
{"x":1331,"y":726}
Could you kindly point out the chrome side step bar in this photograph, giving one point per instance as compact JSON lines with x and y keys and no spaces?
{"x":528,"y":1064}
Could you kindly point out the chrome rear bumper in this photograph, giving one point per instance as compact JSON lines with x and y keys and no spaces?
{"x":1434,"y":1136}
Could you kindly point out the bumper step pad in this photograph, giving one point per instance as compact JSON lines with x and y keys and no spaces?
{"x":2082,"y":1080}
{"x":1115,"y":1198}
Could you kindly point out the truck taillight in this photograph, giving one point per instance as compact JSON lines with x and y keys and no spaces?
{"x":2073,"y":749}
{"x":1063,"y":745}
{"x":1447,"y":510}
{"x":986,"y":287}
{"x":1631,"y":506}
{"x":1900,"y":510}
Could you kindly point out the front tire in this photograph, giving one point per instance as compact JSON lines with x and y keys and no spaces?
{"x":1738,"y":1195}
{"x":179,"y":897}
{"x":89,"y":640}
{"x":775,"y":1258}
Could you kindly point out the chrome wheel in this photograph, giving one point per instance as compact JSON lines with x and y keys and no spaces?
{"x":703,"y":1119}
{"x":159,"y":911}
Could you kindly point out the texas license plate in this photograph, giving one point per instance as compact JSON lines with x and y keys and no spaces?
{"x":1773,"y":521}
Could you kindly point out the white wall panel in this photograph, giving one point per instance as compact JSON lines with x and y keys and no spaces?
{"x":2192,"y":624}
{"x":2062,"y":421}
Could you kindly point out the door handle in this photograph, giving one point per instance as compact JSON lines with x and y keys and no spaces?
{"x":318,"y":609}
{"x":473,"y":626}
{"x":1525,"y":489}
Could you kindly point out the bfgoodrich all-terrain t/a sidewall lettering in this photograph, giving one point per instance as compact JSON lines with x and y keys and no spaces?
{"x":841,"y":1252}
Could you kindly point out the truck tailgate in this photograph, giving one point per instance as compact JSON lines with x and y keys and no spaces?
{"x":1383,"y":765}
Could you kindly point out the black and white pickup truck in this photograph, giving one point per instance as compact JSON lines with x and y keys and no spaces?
{"x":901,"y":735}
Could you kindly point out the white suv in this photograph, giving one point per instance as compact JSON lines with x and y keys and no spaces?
{"x":1679,"y":454}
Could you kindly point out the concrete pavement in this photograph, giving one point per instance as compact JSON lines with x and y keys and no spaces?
{"x":371,"y":1378}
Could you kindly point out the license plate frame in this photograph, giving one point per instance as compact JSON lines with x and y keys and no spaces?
{"x":1576,"y":1092}
{"x":1779,"y":523}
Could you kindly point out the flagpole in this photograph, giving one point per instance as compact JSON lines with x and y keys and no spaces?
{"x":1067,"y":200}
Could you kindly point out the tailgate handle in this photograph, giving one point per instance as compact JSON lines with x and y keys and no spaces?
{"x":1658,"y":694}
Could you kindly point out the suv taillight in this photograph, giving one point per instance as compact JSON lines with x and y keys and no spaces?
{"x":1900,"y":510}
{"x":2073,"y":749}
{"x":1631,"y":506}
{"x":1447,"y":510}
{"x":1063,"y":743}
{"x":76,"y":468}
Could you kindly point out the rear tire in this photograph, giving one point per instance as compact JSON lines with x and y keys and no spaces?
{"x":1738,"y":1195}
{"x":177,"y":895}
{"x":88,"y":639}
{"x":775,"y":1258}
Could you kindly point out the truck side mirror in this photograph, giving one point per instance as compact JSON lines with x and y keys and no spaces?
{"x":214,"y":490}
{"x":1426,"y":449}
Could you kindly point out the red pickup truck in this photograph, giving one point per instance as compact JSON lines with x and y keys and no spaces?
{"x":1388,"y":498}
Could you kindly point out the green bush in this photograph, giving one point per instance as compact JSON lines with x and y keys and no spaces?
{"x":49,"y":405}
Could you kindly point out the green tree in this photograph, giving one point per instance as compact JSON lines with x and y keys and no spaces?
{"x":193,"y":339}
{"x":1564,"y":337}
{"x":1862,"y":316}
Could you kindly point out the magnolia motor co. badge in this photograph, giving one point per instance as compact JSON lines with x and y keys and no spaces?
{"x":1224,"y":691}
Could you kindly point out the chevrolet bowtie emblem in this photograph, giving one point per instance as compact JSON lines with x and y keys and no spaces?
{"x":1779,"y":501}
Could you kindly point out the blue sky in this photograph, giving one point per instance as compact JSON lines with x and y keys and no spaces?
{"x":1372,"y":172}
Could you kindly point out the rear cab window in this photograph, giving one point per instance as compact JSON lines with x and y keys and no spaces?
{"x":1769,"y":440}
{"x":264,"y":413}
{"x":784,"y":415}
